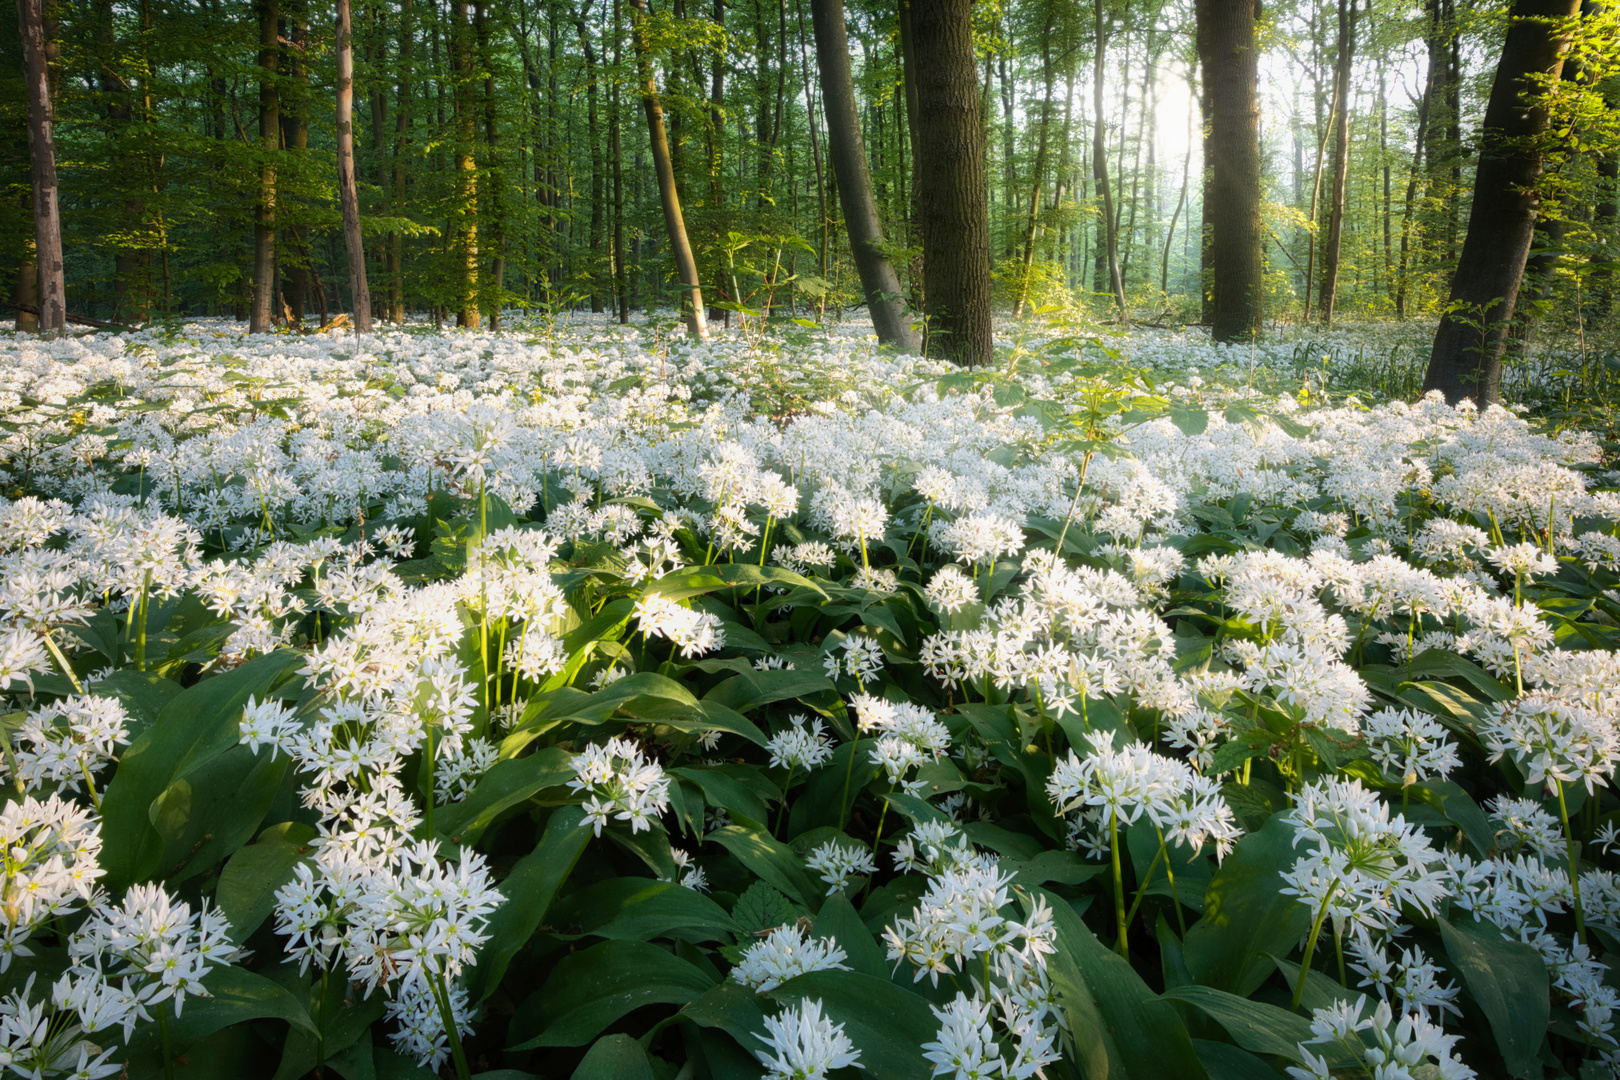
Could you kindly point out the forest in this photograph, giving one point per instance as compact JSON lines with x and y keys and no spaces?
{"x":1132,"y":157}
{"x":809,"y":539}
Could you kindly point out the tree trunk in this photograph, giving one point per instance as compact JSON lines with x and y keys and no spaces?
{"x":908,"y":82}
{"x":402,"y":130}
{"x":494,"y":178}
{"x":1341,"y":159}
{"x":52,"y":283}
{"x":262,"y":314}
{"x":878,"y":278}
{"x":348,"y":193}
{"x":1466,"y":361}
{"x":621,"y":280}
{"x":464,"y":215}
{"x":952,"y":209}
{"x":598,"y":167}
{"x":1048,"y":77}
{"x":1226,"y":47}
{"x":1409,"y":207}
{"x":674,"y":223}
{"x":1108,"y":236}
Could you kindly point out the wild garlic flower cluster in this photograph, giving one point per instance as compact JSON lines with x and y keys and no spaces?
{"x":1555,"y":741}
{"x":1411,"y":1045}
{"x":802,"y":1044}
{"x":620,"y":781}
{"x":1360,"y":865}
{"x":1109,"y":788}
{"x":50,"y":867}
{"x":786,"y":953}
{"x":803,"y":744}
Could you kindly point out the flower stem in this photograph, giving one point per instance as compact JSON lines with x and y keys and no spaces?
{"x":1123,"y":945}
{"x":1574,"y":865}
{"x":1310,"y":945}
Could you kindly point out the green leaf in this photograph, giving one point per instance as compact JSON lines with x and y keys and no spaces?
{"x":697,"y":580}
{"x":194,"y":728}
{"x":506,"y":785}
{"x":237,"y":995}
{"x":1192,"y":422}
{"x":887,"y":1024}
{"x":1460,"y":809}
{"x":724,"y":786}
{"x":1120,"y":1027}
{"x":617,"y":1057}
{"x":589,"y":990}
{"x":838,"y":921}
{"x":1223,"y":1061}
{"x":770,"y":859}
{"x":246,"y":892}
{"x":1245,"y":918}
{"x":214,"y":809}
{"x":640,"y":909}
{"x":1508,"y":979}
{"x":1253,"y":1025}
{"x":761,"y":908}
{"x":529,"y":889}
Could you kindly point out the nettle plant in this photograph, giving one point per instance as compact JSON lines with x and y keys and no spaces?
{"x":447,"y":711}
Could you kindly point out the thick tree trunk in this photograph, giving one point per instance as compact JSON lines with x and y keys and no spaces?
{"x":1226,"y":47}
{"x":1341,"y":159}
{"x":261,"y":315}
{"x":1466,"y":361}
{"x":348,"y":192}
{"x":52,"y":281}
{"x":952,"y":210}
{"x":908,"y":83}
{"x":465,"y":212}
{"x":878,"y":278}
{"x":674,"y":223}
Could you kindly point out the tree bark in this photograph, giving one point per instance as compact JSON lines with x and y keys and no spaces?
{"x":878,"y":278}
{"x":1226,"y":47}
{"x":402,"y":129}
{"x":1108,"y":235}
{"x":598,"y":166}
{"x":261,"y":315}
{"x":1466,"y":361}
{"x":674,"y":223}
{"x":953,"y":210}
{"x":1048,"y":78}
{"x":1341,"y":159}
{"x":348,"y":192}
{"x":494,"y":177}
{"x":1409,"y":206}
{"x":52,"y":282}
{"x":465,"y":212}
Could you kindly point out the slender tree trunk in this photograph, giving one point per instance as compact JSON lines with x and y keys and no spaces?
{"x":1181,"y":202}
{"x":495,"y":177}
{"x":1384,"y":168}
{"x":1409,"y":206}
{"x":598,"y":167}
{"x":261,"y":315}
{"x":51,"y":296}
{"x":1226,"y":47}
{"x":1048,"y":77}
{"x":621,"y":281}
{"x":464,"y":215}
{"x":294,"y":256}
{"x":1108,"y":250}
{"x":680,"y":246}
{"x":953,"y":206}
{"x":348,"y":192}
{"x":1466,"y":361}
{"x":908,"y":82}
{"x":878,"y":279}
{"x":1341,"y":159}
{"x":402,"y":129}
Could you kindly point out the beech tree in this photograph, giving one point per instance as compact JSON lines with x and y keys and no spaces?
{"x":952,"y":205}
{"x":1466,"y":360}
{"x":51,"y":287}
{"x":1226,"y":51}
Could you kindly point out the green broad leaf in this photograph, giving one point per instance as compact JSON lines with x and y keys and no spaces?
{"x":749,"y":690}
{"x":730,"y":1007}
{"x":1062,"y":867}
{"x":214,"y":809}
{"x":1508,"y":980}
{"x":589,"y":990}
{"x":697,"y":580}
{"x":508,"y":784}
{"x":196,"y":727}
{"x":887,"y":1024}
{"x":1120,"y":1027}
{"x":1223,"y":1061}
{"x":1443,"y":663}
{"x":641,"y":909}
{"x":1245,"y":918}
{"x":1192,"y":874}
{"x":1257,"y":1027}
{"x":617,"y":1057}
{"x":529,"y":889}
{"x":237,"y":995}
{"x":349,"y":1019}
{"x":838,"y":921}
{"x":246,"y":892}
{"x":771,"y":859}
{"x":142,"y":694}
{"x":725,"y":786}
{"x":1460,"y":809}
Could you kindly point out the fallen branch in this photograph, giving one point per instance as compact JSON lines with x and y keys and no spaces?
{"x":77,"y":320}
